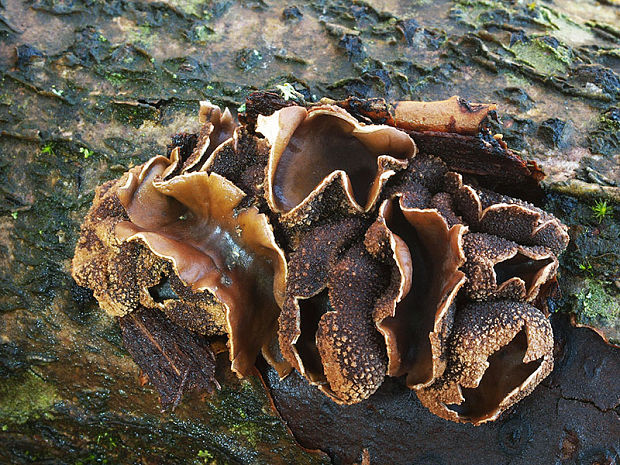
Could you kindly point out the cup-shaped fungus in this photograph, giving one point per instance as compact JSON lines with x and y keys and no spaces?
{"x":326,"y":325}
{"x":504,"y":216}
{"x":497,"y":354}
{"x":190,"y":220}
{"x":199,"y":255}
{"x":217,"y":128}
{"x":416,"y":312}
{"x":497,"y":268}
{"x":312,"y":148}
{"x":382,"y":263}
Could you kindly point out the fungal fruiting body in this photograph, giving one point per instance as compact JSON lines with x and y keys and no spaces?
{"x":345,"y":240}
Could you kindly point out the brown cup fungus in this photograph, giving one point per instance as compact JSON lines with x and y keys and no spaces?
{"x":186,"y":245}
{"x":427,"y":254}
{"x":497,"y":353}
{"x":313,"y":148}
{"x":335,"y":247}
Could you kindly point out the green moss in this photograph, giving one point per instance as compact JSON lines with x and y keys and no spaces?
{"x":206,"y":457}
{"x":25,"y":396}
{"x":594,"y":302}
{"x":86,"y":152}
{"x":475,"y":14}
{"x":106,"y":440}
{"x":115,"y":78}
{"x":48,"y":149}
{"x":564,"y":28}
{"x":193,"y":7}
{"x":201,"y":33}
{"x":241,"y":411}
{"x":541,"y":56}
{"x":134,"y":114}
{"x":597,"y":307}
{"x":601,"y":210}
{"x":143,"y":35}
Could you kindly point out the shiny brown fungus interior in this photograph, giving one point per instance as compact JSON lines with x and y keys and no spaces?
{"x":191,"y":221}
{"x":505,"y":373}
{"x":412,"y":332}
{"x":311,"y":310}
{"x":521,"y":266}
{"x":309,"y":145}
{"x":498,"y":352}
{"x":499,"y":268}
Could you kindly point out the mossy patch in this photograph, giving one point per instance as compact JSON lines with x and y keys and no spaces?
{"x":142,"y":35}
{"x":25,"y":396}
{"x":590,"y":265}
{"x":597,"y":307}
{"x":542,"y":56}
{"x":197,"y":8}
{"x":242,"y":411}
{"x":476,"y":14}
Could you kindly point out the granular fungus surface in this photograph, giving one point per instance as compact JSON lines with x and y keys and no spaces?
{"x":330,"y":243}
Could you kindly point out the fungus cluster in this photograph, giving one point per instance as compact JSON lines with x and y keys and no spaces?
{"x":348,"y":240}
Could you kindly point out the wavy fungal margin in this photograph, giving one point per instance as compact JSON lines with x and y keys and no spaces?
{"x":334,"y":246}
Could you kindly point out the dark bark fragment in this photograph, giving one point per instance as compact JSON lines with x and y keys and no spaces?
{"x":261,"y":103}
{"x":175,"y":360}
{"x":488,"y":160}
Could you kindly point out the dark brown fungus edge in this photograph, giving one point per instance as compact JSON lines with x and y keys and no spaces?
{"x":306,"y":298}
{"x":242,"y":159}
{"x":326,"y":326}
{"x":497,"y":354}
{"x":497,"y":268}
{"x":505,"y":216}
{"x":313,"y":148}
{"x":415,"y":314}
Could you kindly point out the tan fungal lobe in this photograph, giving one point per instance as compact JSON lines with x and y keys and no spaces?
{"x":218,"y":267}
{"x":500,"y":269}
{"x":218,"y":127}
{"x":414,"y":322}
{"x":499,"y":352}
{"x":514,"y":219}
{"x":307,"y":146}
{"x":326,"y":325}
{"x":233,"y":255}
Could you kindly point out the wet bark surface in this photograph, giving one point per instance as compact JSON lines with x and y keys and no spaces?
{"x":90,"y":88}
{"x":572,"y":417}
